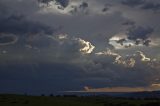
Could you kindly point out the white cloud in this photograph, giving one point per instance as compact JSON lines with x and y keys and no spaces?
{"x":87,"y":47}
{"x":143,"y":56}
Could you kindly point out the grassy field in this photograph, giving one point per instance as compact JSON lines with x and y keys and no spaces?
{"x":21,"y":100}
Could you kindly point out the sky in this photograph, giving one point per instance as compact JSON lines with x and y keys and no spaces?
{"x":79,"y":45}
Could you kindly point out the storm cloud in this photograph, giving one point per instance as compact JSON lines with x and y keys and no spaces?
{"x":142,"y":4}
{"x":7,"y":39}
{"x":61,"y":45}
{"x":133,"y":3}
{"x":18,"y":25}
{"x":62,"y":3}
{"x":139,"y":32}
{"x":151,"y":6}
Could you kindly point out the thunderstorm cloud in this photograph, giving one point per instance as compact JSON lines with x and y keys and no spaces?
{"x":64,"y":45}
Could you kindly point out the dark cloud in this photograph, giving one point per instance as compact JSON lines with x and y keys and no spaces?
{"x":63,"y":3}
{"x":17,"y":24}
{"x":147,"y":42}
{"x":38,"y":41}
{"x":7,"y":39}
{"x":83,"y":5}
{"x":121,"y":41}
{"x":139,"y":32}
{"x":43,"y":60}
{"x":133,"y":3}
{"x":106,"y":7}
{"x":151,"y":6}
{"x":142,"y":4}
{"x":128,"y":22}
{"x":114,"y":67}
{"x":45,"y":1}
{"x":20,"y":78}
{"x":138,"y":41}
{"x":136,"y":34}
{"x":81,"y":8}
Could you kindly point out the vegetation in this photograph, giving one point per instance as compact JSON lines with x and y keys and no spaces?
{"x":73,"y":100}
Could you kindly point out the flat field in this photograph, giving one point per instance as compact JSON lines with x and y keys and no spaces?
{"x":22,"y":100}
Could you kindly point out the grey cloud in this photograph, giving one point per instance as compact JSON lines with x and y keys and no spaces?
{"x":147,"y":42}
{"x":7,"y":39}
{"x":75,"y":7}
{"x":133,"y":3}
{"x":134,"y":35}
{"x":138,"y":41}
{"x":21,"y":76}
{"x":77,"y":45}
{"x":63,"y":3}
{"x":106,"y":7}
{"x":117,"y":75}
{"x":59,"y":47}
{"x":17,"y":24}
{"x":82,"y":8}
{"x":151,"y":6}
{"x":45,"y":1}
{"x":73,"y":63}
{"x":121,"y":41}
{"x":38,"y":41}
{"x":128,"y":22}
{"x":83,"y":5}
{"x":139,"y":32}
{"x":121,"y":73}
{"x":142,"y":4}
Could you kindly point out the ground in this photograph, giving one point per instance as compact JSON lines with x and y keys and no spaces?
{"x":24,"y":100}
